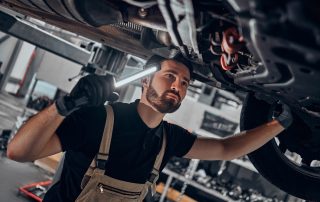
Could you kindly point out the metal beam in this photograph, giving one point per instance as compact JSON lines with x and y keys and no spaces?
{"x":7,"y":72}
{"x":30,"y":72}
{"x":4,"y":38}
{"x":32,"y":34}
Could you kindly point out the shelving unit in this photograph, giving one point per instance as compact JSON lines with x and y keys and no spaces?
{"x":244,"y":164}
{"x":173,"y":175}
{"x":180,"y":177}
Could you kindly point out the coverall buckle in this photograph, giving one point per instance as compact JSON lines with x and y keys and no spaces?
{"x":101,"y":164}
{"x":153,"y":178}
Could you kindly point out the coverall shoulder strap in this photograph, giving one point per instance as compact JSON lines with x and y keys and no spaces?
{"x":107,"y":135}
{"x":159,"y":158}
{"x":154,"y":175}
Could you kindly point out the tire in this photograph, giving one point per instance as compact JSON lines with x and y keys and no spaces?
{"x":271,"y":163}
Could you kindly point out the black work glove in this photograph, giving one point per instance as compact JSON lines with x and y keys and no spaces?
{"x":285,"y":118}
{"x":91,"y":90}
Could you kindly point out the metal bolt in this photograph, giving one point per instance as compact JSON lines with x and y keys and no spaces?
{"x":142,"y":12}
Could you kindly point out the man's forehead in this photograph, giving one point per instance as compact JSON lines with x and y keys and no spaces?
{"x":171,"y":65}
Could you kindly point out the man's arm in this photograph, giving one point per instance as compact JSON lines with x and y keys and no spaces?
{"x":234,"y":146}
{"x":241,"y":144}
{"x":36,"y":138}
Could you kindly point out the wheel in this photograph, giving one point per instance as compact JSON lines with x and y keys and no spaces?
{"x":274,"y":160}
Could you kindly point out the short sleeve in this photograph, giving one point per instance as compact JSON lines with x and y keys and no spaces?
{"x":81,"y":128}
{"x":182,"y":140}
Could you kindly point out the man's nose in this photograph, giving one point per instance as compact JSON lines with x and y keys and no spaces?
{"x":176,"y":86}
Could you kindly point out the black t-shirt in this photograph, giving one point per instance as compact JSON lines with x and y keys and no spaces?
{"x":133,"y":149}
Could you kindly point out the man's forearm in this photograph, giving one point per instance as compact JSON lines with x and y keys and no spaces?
{"x":248,"y":141}
{"x":34,"y":135}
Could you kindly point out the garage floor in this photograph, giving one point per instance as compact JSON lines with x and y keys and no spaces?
{"x":14,"y":175}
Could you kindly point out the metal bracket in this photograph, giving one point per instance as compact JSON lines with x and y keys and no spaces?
{"x":27,"y":32}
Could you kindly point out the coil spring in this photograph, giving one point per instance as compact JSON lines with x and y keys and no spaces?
{"x":226,"y":44}
{"x":128,"y":26}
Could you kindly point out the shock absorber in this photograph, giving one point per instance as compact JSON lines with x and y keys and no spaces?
{"x":227,"y":45}
{"x":232,"y":42}
{"x":228,"y":61}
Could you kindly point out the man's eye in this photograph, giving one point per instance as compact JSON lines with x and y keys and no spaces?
{"x":185,"y":84}
{"x":170,"y":76}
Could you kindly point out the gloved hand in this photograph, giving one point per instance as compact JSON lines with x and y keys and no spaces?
{"x":91,"y":90}
{"x":285,"y":118}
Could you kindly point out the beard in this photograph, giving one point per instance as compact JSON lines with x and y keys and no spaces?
{"x":162,"y":103}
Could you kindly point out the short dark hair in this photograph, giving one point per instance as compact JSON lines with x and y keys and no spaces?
{"x":156,"y":60}
{"x":179,"y":57}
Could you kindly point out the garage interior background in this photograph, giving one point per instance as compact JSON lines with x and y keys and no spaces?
{"x":31,"y":78}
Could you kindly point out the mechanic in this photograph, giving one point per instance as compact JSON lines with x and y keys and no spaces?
{"x":136,"y":140}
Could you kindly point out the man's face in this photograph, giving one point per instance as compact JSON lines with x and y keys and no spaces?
{"x":168,"y":87}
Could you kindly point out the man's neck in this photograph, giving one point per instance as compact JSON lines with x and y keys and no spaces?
{"x":149,"y":115}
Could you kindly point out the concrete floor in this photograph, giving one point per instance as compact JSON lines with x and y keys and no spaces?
{"x":14,"y":175}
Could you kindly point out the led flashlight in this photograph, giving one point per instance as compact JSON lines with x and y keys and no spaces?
{"x":136,"y":76}
{"x":149,"y":70}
